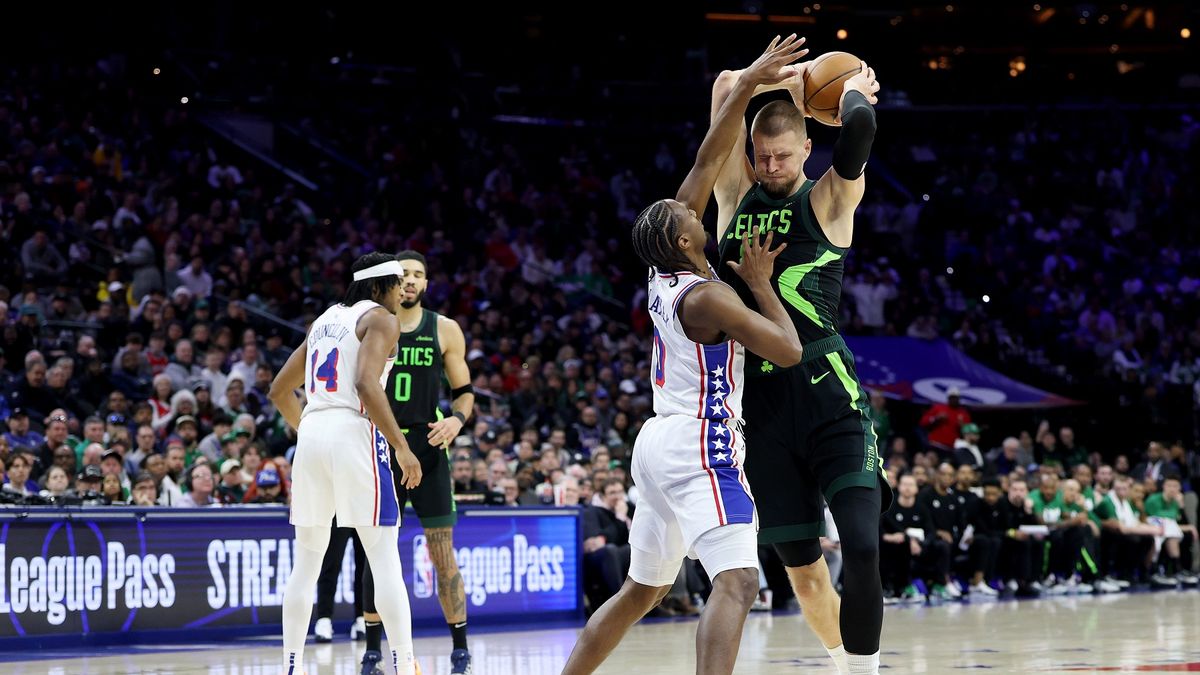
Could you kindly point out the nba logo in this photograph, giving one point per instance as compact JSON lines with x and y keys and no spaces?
{"x":422,"y":569}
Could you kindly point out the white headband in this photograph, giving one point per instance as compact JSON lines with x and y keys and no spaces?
{"x":383,"y":269}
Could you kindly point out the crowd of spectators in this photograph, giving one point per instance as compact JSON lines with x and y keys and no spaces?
{"x":153,"y":280}
{"x":1038,"y":513}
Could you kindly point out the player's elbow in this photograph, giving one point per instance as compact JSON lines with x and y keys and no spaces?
{"x":363,"y":384}
{"x":277,"y":391}
{"x":860,"y":121}
{"x":725,"y":81}
{"x":793,"y":353}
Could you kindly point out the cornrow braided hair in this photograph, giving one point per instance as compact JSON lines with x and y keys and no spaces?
{"x":654,"y":234}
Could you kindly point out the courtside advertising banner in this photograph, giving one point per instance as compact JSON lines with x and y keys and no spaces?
{"x":96,"y":571}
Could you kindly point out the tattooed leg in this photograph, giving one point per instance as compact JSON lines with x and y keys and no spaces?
{"x":451,"y":590}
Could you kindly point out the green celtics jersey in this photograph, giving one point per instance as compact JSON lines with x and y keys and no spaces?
{"x":1157,"y":506}
{"x":808,"y":275}
{"x":415,"y":381}
{"x":1049,"y":510}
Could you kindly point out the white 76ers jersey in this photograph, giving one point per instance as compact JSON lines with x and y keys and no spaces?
{"x":332,"y":361}
{"x":701,"y":381}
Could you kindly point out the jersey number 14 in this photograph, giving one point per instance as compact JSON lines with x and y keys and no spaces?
{"x":326,"y":373}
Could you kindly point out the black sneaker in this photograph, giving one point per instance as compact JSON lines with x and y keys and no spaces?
{"x":370,"y":663}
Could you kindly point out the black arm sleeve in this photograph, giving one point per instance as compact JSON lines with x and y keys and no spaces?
{"x":853,"y":145}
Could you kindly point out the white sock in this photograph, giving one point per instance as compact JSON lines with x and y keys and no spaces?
{"x":391,"y":594}
{"x":838,"y":654}
{"x":307,"y":555}
{"x":403,"y":663}
{"x":863,"y":664}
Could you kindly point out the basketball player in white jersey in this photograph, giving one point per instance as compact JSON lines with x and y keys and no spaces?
{"x":341,"y":464}
{"x":687,"y":460}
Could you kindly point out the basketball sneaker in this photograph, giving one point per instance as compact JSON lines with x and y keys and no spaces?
{"x":323,"y":630}
{"x":460,"y":662}
{"x":1121,"y":584}
{"x":1163,"y":581}
{"x":370,"y":663}
{"x":358,"y":631}
{"x":943,"y":592}
{"x":982,"y":589}
{"x":763,"y":602}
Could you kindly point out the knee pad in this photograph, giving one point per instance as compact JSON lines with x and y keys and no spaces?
{"x":799,"y":553}
{"x":313,"y":538}
{"x":372,"y":536}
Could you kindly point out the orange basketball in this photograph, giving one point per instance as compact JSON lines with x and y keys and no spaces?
{"x":823,"y":84}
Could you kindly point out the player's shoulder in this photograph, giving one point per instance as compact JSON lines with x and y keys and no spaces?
{"x":445,"y":323}
{"x":379,"y":318}
{"x":707,"y":293}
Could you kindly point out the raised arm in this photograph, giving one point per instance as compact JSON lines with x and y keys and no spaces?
{"x":838,"y":193}
{"x":770,"y":68}
{"x":737,"y":173}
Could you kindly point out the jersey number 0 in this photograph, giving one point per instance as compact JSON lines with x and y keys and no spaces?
{"x":403,"y":389}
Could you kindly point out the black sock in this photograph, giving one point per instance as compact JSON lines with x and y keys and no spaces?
{"x":1172,"y":566}
{"x":458,"y":632}
{"x":374,"y":635}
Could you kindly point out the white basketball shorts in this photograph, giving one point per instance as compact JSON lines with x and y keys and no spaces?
{"x":342,"y":466}
{"x":693,"y":500}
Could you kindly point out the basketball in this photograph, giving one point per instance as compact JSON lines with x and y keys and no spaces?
{"x":823,"y":84}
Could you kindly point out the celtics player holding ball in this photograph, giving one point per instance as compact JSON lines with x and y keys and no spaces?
{"x":809,"y":437}
{"x":431,"y":348}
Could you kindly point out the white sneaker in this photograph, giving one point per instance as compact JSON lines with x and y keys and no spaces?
{"x":1077,"y":586}
{"x":1106,"y":586}
{"x":358,"y":631}
{"x":1012,"y":586}
{"x":953,"y":590}
{"x":1163,"y":581}
{"x":763,"y":602}
{"x":323,"y":630}
{"x":983,"y":589}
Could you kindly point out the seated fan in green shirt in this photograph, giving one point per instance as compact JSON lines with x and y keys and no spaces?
{"x":1125,"y":541}
{"x":1073,"y":532}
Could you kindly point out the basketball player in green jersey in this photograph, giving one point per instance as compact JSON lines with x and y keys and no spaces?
{"x":431,"y":348}
{"x":809,"y":436}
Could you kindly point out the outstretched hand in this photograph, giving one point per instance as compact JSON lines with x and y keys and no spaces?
{"x":794,"y":83}
{"x":864,"y":83}
{"x":758,"y":260}
{"x":774,"y":65}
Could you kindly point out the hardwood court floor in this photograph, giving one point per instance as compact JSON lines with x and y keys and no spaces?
{"x":1123,"y":633}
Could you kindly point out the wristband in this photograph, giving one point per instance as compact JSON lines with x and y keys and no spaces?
{"x":461,"y":417}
